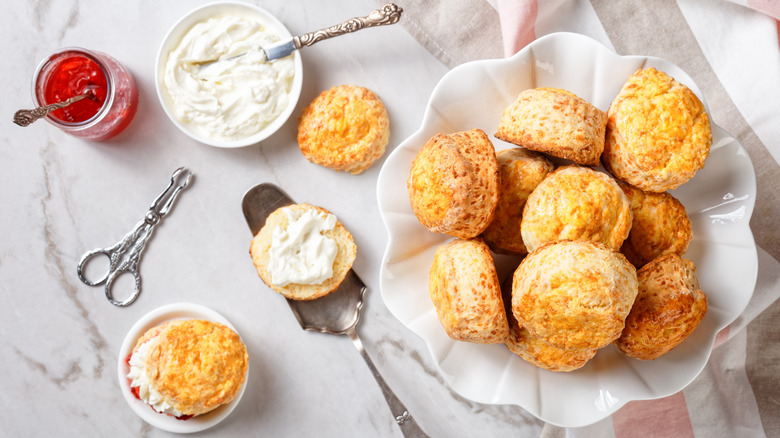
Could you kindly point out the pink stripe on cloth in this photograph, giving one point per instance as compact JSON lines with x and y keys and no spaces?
{"x":663,"y":417}
{"x":768,"y":7}
{"x":721,"y":337}
{"x":518,"y":18}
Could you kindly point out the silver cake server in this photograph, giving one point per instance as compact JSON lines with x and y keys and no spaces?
{"x":335,"y":313}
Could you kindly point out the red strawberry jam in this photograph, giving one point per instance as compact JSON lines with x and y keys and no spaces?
{"x":71,"y":72}
{"x":136,"y":393}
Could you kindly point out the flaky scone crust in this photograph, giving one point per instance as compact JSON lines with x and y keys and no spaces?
{"x":196,"y":365}
{"x":453,"y":183}
{"x":658,"y":132}
{"x":669,"y":306}
{"x":260,"y":250}
{"x":660,"y":225}
{"x":521,"y":170}
{"x":344,"y":128}
{"x":574,"y":295}
{"x":465,"y":291}
{"x":576,"y":203}
{"x":543,"y":355}
{"x":556,"y":122}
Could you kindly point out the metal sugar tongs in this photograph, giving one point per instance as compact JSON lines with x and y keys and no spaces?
{"x":124,"y":257}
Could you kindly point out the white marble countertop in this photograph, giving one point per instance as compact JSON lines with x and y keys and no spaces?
{"x":63,"y":196}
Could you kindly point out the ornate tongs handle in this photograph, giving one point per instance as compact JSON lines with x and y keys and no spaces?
{"x":387,"y":14}
{"x":25,"y":117}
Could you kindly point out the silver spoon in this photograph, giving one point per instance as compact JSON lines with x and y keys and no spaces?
{"x":24,"y":117}
{"x":336,"y":313}
{"x":387,"y":14}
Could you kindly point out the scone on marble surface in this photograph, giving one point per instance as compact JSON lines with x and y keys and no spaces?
{"x":576,"y":203}
{"x":453,"y":183}
{"x":188,"y":367}
{"x":556,"y":122}
{"x":464,"y":288}
{"x":521,"y":170}
{"x":658,"y":132}
{"x":669,"y":306}
{"x":660,"y":225}
{"x":345,"y":128}
{"x":574,"y":295}
{"x":303,"y":252}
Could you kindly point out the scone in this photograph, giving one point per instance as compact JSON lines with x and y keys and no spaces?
{"x":465,"y":291}
{"x":543,"y":355}
{"x":521,"y":171}
{"x":576,"y":203}
{"x":556,"y":122}
{"x":453,"y":183}
{"x":344,"y":128}
{"x":574,"y":295}
{"x":669,"y":306}
{"x":303,"y":252}
{"x":660,"y":225}
{"x":188,"y":367}
{"x":658,"y":132}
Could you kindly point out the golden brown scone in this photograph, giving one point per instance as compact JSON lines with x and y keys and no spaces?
{"x":453,"y":183}
{"x":543,"y":355}
{"x":195,"y":365}
{"x":574,"y":295}
{"x":521,"y":171}
{"x":576,"y":203}
{"x":344,"y":128}
{"x":260,"y":250}
{"x":556,"y":122}
{"x":464,"y":289}
{"x":658,"y":133}
{"x":669,"y":306}
{"x":660,"y":226}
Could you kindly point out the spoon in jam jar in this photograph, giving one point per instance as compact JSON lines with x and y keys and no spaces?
{"x":25,"y":117}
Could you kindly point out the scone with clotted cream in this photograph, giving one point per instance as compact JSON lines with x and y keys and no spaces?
{"x":188,"y":367}
{"x":303,"y":252}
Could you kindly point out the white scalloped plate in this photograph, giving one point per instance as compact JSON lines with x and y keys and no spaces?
{"x":719,"y":201}
{"x":166,"y":422}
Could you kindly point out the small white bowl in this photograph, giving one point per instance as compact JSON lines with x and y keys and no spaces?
{"x":147,"y":413}
{"x":202,"y":13}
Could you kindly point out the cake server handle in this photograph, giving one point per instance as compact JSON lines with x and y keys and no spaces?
{"x":402,"y":416}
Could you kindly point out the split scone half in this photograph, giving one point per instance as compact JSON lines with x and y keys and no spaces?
{"x":303,"y":252}
{"x":185,"y":368}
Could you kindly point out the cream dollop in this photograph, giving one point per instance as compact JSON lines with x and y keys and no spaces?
{"x":237,"y":96}
{"x":139,"y":376}
{"x":302,"y":254}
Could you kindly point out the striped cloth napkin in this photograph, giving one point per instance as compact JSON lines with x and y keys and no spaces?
{"x":731,"y":50}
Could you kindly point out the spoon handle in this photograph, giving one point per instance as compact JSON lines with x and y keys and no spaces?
{"x":402,"y":416}
{"x":387,"y":14}
{"x":25,"y":117}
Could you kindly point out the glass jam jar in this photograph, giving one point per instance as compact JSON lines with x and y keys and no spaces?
{"x":72,"y":71}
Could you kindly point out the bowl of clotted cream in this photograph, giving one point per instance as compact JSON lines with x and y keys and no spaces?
{"x":214,"y":82}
